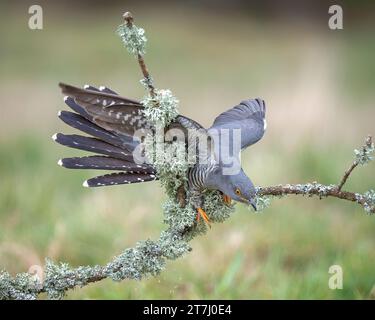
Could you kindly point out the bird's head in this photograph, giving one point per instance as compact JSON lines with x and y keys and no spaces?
{"x":238,"y":186}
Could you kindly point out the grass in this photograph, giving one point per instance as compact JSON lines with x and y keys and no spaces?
{"x":284,"y":252}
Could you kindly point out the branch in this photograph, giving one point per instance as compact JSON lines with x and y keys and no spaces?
{"x":128,"y":17}
{"x":148,"y":258}
{"x":357,"y":161}
{"x":316,"y":189}
{"x":367,"y":200}
{"x":346,"y":175}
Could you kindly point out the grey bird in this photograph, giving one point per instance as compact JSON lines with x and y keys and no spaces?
{"x":110,"y":122}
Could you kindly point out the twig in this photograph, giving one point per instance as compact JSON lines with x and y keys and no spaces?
{"x":347,"y":173}
{"x":128,"y":17}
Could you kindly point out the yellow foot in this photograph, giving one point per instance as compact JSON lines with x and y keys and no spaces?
{"x":227,"y":199}
{"x":203,"y":214}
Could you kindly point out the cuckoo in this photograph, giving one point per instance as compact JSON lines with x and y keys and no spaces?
{"x":110,"y":122}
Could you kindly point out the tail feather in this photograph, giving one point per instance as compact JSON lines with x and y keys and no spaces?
{"x":69,"y":101}
{"x":107,"y":90}
{"x":118,"y":178}
{"x":78,"y":122}
{"x":90,"y":87}
{"x":111,"y":121}
{"x":106,"y":163}
{"x":95,"y":96}
{"x":107,"y":109}
{"x":92,"y":145}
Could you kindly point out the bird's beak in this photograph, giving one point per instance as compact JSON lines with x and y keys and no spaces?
{"x":252,"y":202}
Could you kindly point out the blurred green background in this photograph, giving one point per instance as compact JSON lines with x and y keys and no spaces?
{"x":319,"y":88}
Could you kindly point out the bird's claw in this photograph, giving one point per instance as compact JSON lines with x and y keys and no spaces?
{"x":203,"y":214}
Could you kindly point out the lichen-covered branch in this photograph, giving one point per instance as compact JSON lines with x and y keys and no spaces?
{"x":362,"y":156}
{"x":135,"y":41}
{"x":161,"y":106}
{"x":367,"y":200}
{"x":148,"y":258}
{"x":322,"y":191}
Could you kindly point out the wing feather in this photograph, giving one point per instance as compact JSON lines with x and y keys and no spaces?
{"x":248,"y":116}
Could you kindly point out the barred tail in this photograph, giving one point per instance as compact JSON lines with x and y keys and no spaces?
{"x":78,"y":122}
{"x":100,"y":114}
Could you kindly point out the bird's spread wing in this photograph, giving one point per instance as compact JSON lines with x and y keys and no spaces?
{"x":248,"y":116}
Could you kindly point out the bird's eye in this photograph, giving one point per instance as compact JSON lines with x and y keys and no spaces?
{"x":238,"y":192}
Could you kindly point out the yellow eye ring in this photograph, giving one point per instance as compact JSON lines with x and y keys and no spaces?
{"x":238,"y":192}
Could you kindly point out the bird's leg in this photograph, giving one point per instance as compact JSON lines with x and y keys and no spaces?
{"x":197,"y":201}
{"x":227,"y":199}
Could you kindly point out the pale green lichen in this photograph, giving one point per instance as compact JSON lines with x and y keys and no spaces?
{"x":215,"y":207}
{"x":23,"y":286}
{"x":135,"y":263}
{"x":262,"y":203}
{"x":368,"y":200}
{"x":178,"y":218}
{"x":133,"y":37}
{"x":169,"y":161}
{"x":365,"y":154}
{"x":173,"y":245}
{"x":61,"y":277}
{"x":161,"y":108}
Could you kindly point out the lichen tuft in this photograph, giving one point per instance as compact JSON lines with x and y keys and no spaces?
{"x":133,"y":37}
